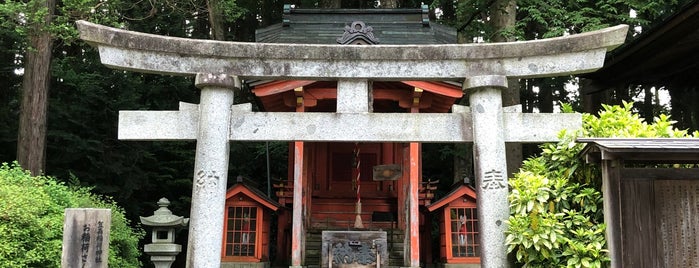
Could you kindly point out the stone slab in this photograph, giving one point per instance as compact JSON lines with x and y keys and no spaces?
{"x":353,"y":96}
{"x":367,"y":127}
{"x":245,"y":265}
{"x":354,"y":249}
{"x":165,"y":125}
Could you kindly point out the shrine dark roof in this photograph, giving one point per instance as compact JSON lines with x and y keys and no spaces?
{"x":642,"y":149}
{"x":325,"y":26}
{"x":456,"y":193}
{"x":253,"y":193}
{"x":666,"y":53}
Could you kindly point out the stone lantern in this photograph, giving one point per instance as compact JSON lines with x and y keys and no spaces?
{"x":163,"y":249}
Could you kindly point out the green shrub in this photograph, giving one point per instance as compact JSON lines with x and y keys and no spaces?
{"x":31,"y":221}
{"x":556,"y":202}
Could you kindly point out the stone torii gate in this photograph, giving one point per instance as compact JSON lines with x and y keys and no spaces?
{"x":218,"y":66}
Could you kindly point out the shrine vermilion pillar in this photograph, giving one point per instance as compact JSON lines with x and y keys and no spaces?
{"x":414,"y":176}
{"x":413,"y":211}
{"x":298,"y":230}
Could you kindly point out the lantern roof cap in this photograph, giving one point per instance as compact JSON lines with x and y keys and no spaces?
{"x":163,"y":217}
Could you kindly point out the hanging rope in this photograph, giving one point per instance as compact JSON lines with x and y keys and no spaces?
{"x":357,"y":170}
{"x":358,"y":208}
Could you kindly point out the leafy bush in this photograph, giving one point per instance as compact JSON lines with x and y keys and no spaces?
{"x":31,"y":221}
{"x":556,"y":201}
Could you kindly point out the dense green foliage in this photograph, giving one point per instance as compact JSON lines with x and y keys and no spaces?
{"x":556,"y":202}
{"x":31,"y":221}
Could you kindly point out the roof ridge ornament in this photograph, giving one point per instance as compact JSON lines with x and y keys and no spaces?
{"x":358,"y":33}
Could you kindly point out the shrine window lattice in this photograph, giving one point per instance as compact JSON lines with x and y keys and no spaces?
{"x":464,"y":232}
{"x":241,"y":231}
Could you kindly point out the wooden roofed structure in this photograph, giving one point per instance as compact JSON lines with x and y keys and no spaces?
{"x":664,"y":55}
{"x":458,"y":232}
{"x":248,"y":216}
{"x":320,"y":96}
{"x":331,"y":178}
{"x":651,"y":198}
{"x":326,"y":26}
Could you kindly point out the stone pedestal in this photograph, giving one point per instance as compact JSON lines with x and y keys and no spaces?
{"x":162,"y":255}
{"x":354,"y":249}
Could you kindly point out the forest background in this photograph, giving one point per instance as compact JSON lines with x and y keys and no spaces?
{"x":59,"y":105}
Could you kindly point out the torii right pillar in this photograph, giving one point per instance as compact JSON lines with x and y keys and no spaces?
{"x":490,"y":165}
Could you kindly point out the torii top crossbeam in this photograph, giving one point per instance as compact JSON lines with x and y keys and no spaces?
{"x":142,"y":52}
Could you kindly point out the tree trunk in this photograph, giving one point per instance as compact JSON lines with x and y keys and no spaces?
{"x":545,"y":96}
{"x":448,"y":10}
{"x":31,"y":135}
{"x":592,"y":95}
{"x":502,"y":19}
{"x":684,"y":103}
{"x":390,"y":3}
{"x":648,"y":103}
{"x":330,"y":3}
{"x":622,"y":94}
{"x":216,"y":20}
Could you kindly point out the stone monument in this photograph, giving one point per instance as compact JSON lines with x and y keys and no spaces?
{"x":86,"y":237}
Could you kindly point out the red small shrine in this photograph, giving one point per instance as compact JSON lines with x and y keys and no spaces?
{"x":248,"y":215}
{"x":458,"y":226}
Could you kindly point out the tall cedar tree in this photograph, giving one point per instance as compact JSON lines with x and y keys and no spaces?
{"x":31,"y":136}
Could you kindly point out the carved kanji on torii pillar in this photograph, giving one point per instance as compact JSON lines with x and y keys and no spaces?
{"x":484,"y":69}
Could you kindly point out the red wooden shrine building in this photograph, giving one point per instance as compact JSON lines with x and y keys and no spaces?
{"x":247,"y":226}
{"x":333,"y":176}
{"x":458,"y":227}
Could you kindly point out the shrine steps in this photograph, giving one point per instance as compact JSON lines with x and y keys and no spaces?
{"x":395,"y":239}
{"x":245,"y":265}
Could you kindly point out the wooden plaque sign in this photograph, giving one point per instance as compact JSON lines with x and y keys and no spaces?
{"x":387,"y":172}
{"x":86,"y":238}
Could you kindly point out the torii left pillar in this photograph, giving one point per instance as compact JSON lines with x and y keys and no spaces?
{"x":210,"y":169}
